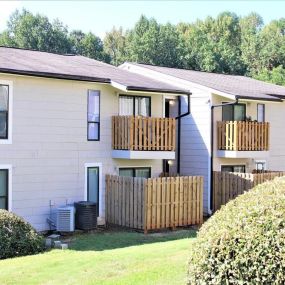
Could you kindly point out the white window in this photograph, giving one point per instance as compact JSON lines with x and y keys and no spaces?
{"x":260,"y":165}
{"x":134,"y":105}
{"x":5,"y":112}
{"x":93,"y":116}
{"x":6,"y":187}
{"x":260,"y":113}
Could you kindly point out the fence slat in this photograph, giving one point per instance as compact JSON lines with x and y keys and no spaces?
{"x":243,"y":136}
{"x":228,"y":186}
{"x":154,"y":203}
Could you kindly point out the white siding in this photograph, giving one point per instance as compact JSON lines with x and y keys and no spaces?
{"x":50,"y":148}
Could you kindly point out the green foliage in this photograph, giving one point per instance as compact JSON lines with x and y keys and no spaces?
{"x":88,"y":45}
{"x":250,"y":27}
{"x":272,"y":53}
{"x":26,"y":30}
{"x":276,"y":75}
{"x":214,"y":44}
{"x":142,"y":41}
{"x":17,"y":237}
{"x":114,"y":45}
{"x":244,"y":242}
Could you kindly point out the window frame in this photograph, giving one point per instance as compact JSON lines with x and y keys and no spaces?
{"x":88,"y":190}
{"x":233,"y":106}
{"x":8,"y":139}
{"x":100,"y":189}
{"x":263,"y":113}
{"x":134,"y":104}
{"x":234,"y":165}
{"x":94,"y":122}
{"x":8,"y":168}
{"x":133,"y":169}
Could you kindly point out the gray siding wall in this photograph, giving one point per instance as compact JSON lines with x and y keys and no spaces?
{"x":195,"y":139}
{"x":49,"y":148}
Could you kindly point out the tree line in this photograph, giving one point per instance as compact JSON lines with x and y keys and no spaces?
{"x":225,"y":44}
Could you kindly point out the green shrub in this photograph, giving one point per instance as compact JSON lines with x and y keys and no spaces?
{"x":244,"y":242}
{"x":17,"y":237}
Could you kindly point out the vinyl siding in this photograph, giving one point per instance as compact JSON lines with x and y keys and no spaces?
{"x":50,"y":147}
{"x":195,"y":139}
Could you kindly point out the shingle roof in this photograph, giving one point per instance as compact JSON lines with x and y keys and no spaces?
{"x":44,"y":64}
{"x":239,"y":86}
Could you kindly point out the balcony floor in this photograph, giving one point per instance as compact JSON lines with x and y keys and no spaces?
{"x":137,"y":154}
{"x":242,"y":154}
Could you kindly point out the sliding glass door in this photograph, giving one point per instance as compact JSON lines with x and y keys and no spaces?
{"x":134,"y":105}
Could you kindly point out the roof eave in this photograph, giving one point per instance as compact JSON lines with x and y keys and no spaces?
{"x":258,"y":98}
{"x":54,"y":75}
{"x":158,"y":90}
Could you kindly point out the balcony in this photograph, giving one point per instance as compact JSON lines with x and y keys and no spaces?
{"x":243,"y":139}
{"x":135,"y":137}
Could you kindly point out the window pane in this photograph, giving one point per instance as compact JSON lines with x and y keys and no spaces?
{"x":126,"y":106}
{"x":93,"y":106}
{"x":143,"y":172}
{"x":239,"y":169}
{"x":260,"y":166}
{"x":126,"y":172}
{"x":3,"y":188}
{"x":93,"y":184}
{"x":3,"y":124}
{"x":93,"y":131}
{"x":227,"y":113}
{"x":227,"y":168}
{"x":142,"y":106}
{"x":3,"y":203}
{"x":3,"y":98}
{"x":239,"y":112}
{"x":260,"y":112}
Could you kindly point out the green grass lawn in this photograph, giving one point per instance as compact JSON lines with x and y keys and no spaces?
{"x":106,"y":258}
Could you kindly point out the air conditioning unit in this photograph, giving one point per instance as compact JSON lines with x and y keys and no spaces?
{"x":65,"y":219}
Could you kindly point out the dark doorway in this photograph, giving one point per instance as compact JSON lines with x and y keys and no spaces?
{"x":165,"y":166}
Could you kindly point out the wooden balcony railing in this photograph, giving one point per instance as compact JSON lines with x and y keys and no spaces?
{"x":143,"y":133}
{"x":243,"y":136}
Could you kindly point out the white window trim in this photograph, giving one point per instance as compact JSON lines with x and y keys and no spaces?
{"x":99,"y":165}
{"x":9,"y":168}
{"x":10,"y":110}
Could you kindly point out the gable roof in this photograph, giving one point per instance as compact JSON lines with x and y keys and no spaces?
{"x":73,"y":67}
{"x":240,"y":86}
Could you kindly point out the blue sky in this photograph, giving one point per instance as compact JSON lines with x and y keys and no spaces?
{"x":101,"y":16}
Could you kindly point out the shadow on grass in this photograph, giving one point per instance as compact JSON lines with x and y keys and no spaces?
{"x":108,"y":240}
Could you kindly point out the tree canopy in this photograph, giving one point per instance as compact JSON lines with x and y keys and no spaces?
{"x":225,"y":44}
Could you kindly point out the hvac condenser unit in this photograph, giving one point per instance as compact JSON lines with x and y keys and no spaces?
{"x":65,"y":219}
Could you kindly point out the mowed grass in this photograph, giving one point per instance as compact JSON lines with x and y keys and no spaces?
{"x":126,"y":258}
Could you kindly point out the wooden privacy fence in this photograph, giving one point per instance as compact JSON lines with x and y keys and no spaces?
{"x":143,"y":133}
{"x":228,"y":185}
{"x":154,"y":203}
{"x":243,"y":136}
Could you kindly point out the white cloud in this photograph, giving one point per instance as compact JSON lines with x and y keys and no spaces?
{"x":6,"y":8}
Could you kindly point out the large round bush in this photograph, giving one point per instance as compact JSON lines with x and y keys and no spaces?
{"x":244,"y":242}
{"x":17,"y":237}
